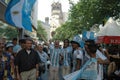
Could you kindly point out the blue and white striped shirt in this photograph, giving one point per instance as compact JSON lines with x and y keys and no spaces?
{"x":55,"y":57}
{"x":78,"y":54}
{"x":67,"y":55}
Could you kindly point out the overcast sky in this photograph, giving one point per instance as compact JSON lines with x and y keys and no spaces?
{"x":44,"y":7}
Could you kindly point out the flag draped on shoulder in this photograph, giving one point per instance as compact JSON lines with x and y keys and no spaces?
{"x":87,"y":72}
{"x":18,"y":13}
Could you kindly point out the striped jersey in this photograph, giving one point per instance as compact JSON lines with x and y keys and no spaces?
{"x":78,"y":54}
{"x":67,"y":55}
{"x":55,"y":57}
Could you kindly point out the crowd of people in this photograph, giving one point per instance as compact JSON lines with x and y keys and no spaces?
{"x":24,"y":59}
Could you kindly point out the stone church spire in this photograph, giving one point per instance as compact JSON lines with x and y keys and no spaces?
{"x":56,"y":15}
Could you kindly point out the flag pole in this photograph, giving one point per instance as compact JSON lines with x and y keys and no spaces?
{"x":20,"y":33}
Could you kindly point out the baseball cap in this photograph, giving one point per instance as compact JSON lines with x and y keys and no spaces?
{"x":9,"y":45}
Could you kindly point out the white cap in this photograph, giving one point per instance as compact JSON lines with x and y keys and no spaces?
{"x":9,"y":45}
{"x":77,"y":39}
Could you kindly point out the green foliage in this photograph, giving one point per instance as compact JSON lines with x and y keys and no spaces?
{"x":41,"y":32}
{"x":9,"y":32}
{"x":85,"y":14}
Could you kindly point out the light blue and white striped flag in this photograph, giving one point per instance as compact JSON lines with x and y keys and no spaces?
{"x":18,"y":13}
{"x":87,"y":72}
{"x":88,"y":35}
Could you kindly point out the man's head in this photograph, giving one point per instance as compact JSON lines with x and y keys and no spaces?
{"x":40,"y":47}
{"x":92,"y":48}
{"x":76,"y":41}
{"x":57,"y":44}
{"x":87,"y":42}
{"x":14,"y":40}
{"x":9,"y":47}
{"x":28,"y":44}
{"x":50,"y":41}
{"x":75,"y":44}
{"x":22,"y":43}
{"x":4,"y":39}
{"x":66,"y":43}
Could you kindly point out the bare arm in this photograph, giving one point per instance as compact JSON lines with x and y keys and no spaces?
{"x":100,"y":61}
{"x":37,"y":70}
{"x":17,"y":73}
{"x":78,"y":64}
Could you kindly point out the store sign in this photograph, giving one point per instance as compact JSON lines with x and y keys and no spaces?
{"x":109,"y":39}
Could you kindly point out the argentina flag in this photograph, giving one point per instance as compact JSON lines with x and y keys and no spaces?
{"x":18,"y":13}
{"x":87,"y":72}
{"x":88,"y":35}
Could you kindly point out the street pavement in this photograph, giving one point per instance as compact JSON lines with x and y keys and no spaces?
{"x":45,"y":76}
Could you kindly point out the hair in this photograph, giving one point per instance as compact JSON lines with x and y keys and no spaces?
{"x":28,"y":40}
{"x":14,"y":39}
{"x":7,"y":48}
{"x":90,"y":41}
{"x":92,"y":48}
{"x":66,"y":40}
{"x":73,"y":42}
{"x":22,"y":41}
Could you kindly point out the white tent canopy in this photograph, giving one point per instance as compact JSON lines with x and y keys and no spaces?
{"x":110,"y":33}
{"x":111,"y":28}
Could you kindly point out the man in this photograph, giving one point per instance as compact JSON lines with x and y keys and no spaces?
{"x":26,"y":62}
{"x":55,"y":55}
{"x":77,"y":53}
{"x":16,"y":46}
{"x":50,"y":46}
{"x":9,"y":51}
{"x":102,"y":59}
{"x":66,"y":55}
{"x":5,"y":66}
{"x":43,"y":58}
{"x":89,"y":70}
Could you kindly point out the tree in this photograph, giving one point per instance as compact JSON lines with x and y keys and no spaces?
{"x":64,"y":32}
{"x":9,"y":31}
{"x":41,"y":32}
{"x":86,"y":13}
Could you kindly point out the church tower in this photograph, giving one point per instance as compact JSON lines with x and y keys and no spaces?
{"x":56,"y":16}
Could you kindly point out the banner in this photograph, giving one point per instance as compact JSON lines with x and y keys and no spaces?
{"x":18,"y":13}
{"x":88,"y":35}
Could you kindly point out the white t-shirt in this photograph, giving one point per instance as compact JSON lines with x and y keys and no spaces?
{"x":100,"y":71}
{"x":78,"y":54}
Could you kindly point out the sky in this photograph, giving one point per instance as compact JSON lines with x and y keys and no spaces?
{"x":44,"y":7}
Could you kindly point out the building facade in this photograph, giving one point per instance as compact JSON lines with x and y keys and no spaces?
{"x":58,"y":17}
